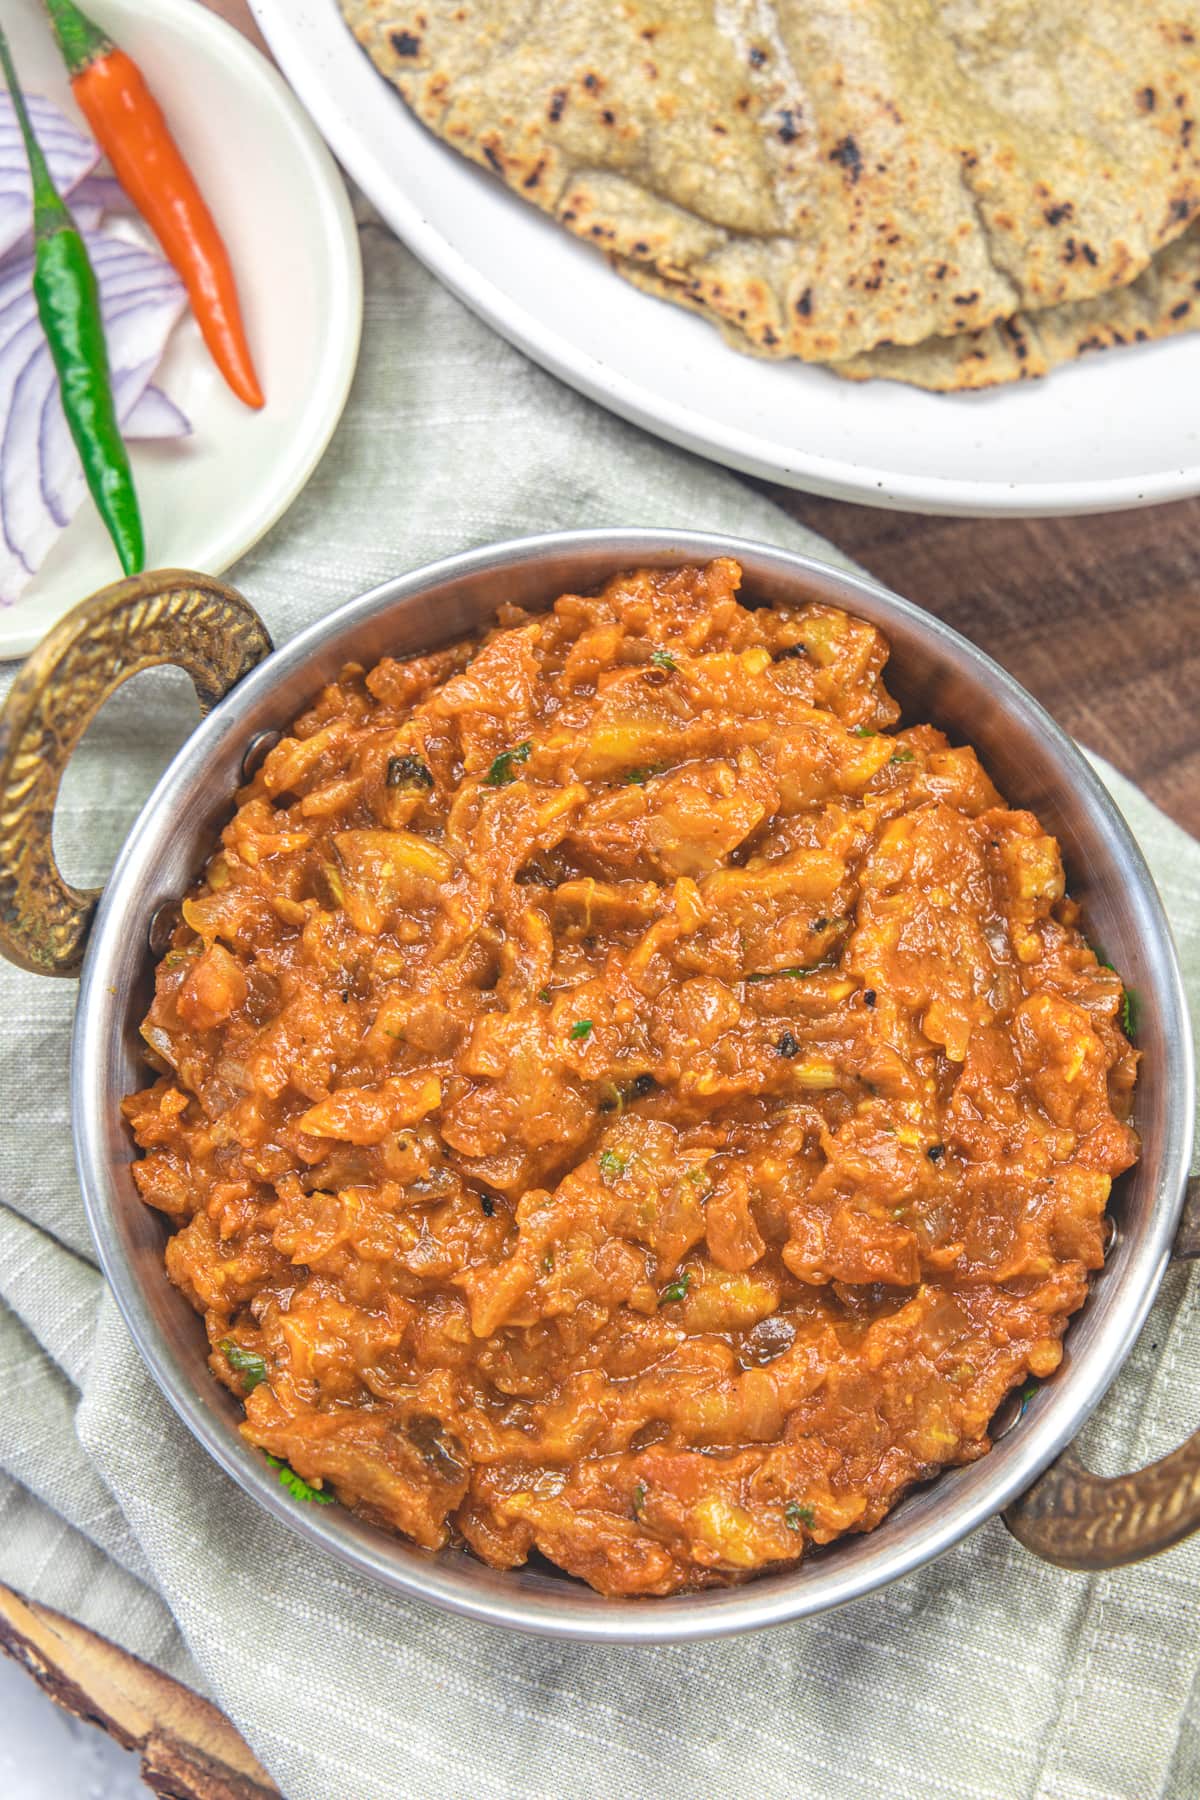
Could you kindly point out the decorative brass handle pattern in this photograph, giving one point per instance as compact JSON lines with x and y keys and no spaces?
{"x":1084,"y":1521}
{"x":166,"y":616}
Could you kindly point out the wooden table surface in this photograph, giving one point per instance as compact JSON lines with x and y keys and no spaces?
{"x":1099,"y":617}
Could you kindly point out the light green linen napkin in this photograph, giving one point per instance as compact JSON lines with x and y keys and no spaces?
{"x":988,"y":1675}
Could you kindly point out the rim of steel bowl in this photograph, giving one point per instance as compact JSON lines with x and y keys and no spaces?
{"x":936,"y":674}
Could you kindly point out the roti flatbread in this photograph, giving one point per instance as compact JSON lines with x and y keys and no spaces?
{"x":824,"y":179}
{"x":1163,"y":301}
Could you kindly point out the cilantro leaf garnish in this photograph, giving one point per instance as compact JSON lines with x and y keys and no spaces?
{"x":780,"y":974}
{"x":676,"y":1290}
{"x":248,"y":1363}
{"x":1128,"y":1013}
{"x":503,"y":768}
{"x":902,"y":756}
{"x":612,"y":1166}
{"x":664,"y":660}
{"x":795,"y":1515}
{"x":863,"y":731}
{"x":581,"y":1029}
{"x":296,"y":1485}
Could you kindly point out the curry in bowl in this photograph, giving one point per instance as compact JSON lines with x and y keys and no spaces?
{"x":621,"y":1096}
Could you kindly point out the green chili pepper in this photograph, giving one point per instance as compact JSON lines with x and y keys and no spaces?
{"x":68,"y":303}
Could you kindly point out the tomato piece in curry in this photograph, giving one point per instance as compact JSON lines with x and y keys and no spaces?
{"x":623,"y":1097}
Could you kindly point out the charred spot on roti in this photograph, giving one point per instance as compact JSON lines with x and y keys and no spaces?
{"x":1020,"y":347}
{"x":404,"y":43}
{"x":848,"y":156}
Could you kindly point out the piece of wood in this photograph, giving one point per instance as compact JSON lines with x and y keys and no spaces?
{"x":189,"y":1750}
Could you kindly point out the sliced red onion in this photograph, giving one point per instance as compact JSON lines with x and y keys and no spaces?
{"x":70,"y":154}
{"x":41,"y":480}
{"x":104,"y":192}
{"x":155,"y":415}
{"x":88,"y":218}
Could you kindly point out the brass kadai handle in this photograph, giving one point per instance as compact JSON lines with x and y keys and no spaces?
{"x":1084,"y":1521}
{"x":166,"y":616}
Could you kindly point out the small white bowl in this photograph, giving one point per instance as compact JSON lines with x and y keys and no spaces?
{"x":283,"y":210}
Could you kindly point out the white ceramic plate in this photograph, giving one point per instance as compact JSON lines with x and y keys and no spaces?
{"x":283,"y":210}
{"x":1119,"y":430}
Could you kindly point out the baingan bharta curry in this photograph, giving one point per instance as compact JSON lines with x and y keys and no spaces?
{"x":624,"y":1098}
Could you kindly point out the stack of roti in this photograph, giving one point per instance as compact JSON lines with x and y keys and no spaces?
{"x":946,"y":192}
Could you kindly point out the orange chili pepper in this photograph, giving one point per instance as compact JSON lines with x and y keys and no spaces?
{"x":129,"y":126}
